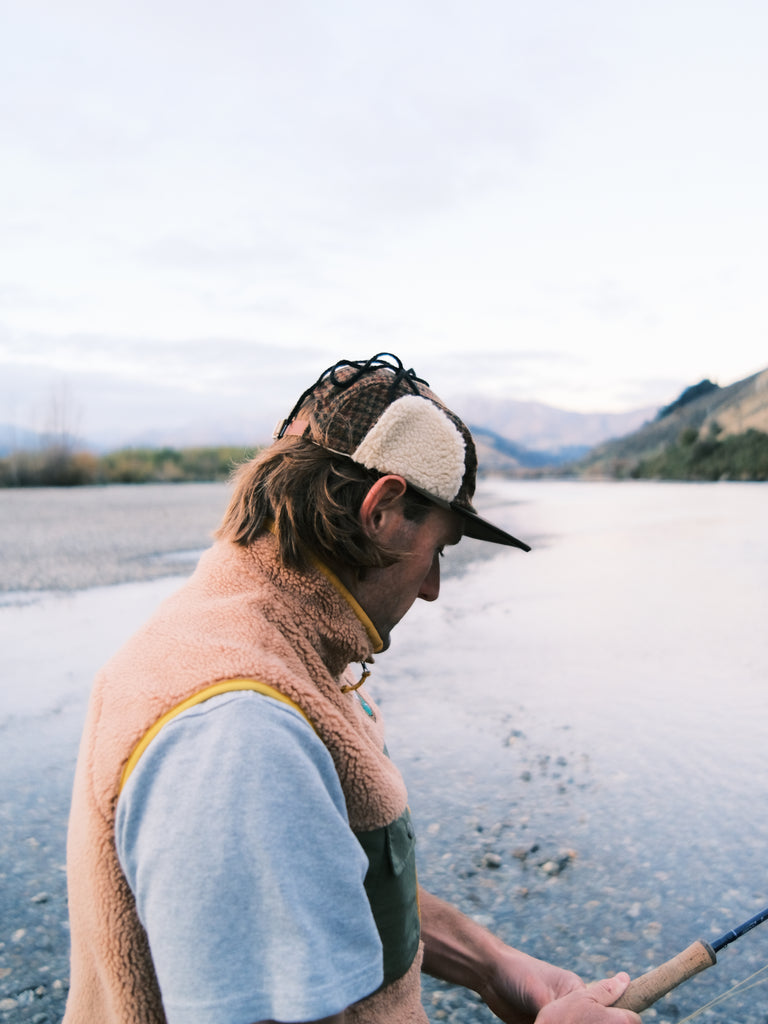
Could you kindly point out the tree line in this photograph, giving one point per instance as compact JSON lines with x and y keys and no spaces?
{"x":59,"y":465}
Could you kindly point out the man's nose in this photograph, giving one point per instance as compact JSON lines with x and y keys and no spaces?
{"x":430,"y":588}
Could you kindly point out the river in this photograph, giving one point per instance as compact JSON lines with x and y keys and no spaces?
{"x":582,"y":727}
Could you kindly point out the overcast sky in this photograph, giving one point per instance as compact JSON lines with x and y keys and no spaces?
{"x":205,"y":204}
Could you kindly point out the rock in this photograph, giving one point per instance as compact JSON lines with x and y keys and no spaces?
{"x":521,"y":853}
{"x":556,"y":865}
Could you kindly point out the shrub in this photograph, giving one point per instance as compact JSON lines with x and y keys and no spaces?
{"x":57,"y":467}
{"x":737,"y":457}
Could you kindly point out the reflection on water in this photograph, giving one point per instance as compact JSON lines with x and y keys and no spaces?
{"x":604,"y":694}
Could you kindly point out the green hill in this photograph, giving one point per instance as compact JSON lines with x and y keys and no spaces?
{"x":708,"y":433}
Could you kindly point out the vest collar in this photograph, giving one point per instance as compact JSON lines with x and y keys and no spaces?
{"x":333,"y":622}
{"x":373,"y":635}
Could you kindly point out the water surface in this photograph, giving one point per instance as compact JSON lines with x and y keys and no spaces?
{"x":605,"y":698}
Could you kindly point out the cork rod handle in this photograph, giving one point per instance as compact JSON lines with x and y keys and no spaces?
{"x":644,"y":991}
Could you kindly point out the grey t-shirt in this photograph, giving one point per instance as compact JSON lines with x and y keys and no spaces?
{"x":233,"y":834}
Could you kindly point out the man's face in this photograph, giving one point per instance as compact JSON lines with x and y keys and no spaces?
{"x":387,"y":594}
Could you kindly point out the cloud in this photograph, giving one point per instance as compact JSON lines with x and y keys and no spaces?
{"x":19,"y":296}
{"x":219,"y":256}
{"x":614,"y":301}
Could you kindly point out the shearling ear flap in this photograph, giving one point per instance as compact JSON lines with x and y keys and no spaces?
{"x":415,"y":438}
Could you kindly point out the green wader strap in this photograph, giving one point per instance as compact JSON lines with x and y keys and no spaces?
{"x":392,"y":889}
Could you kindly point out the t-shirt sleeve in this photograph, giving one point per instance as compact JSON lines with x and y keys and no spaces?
{"x":233,"y":834}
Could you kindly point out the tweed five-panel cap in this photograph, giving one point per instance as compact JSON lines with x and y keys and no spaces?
{"x":384,"y":417}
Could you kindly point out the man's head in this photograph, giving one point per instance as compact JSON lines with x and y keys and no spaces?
{"x":388,"y":592}
{"x":359,"y":422}
{"x":385,"y":418}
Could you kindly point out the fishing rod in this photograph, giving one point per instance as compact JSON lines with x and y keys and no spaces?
{"x":645,"y":990}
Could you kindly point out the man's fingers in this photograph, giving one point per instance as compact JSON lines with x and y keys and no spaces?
{"x":607,"y":991}
{"x":591,"y":1005}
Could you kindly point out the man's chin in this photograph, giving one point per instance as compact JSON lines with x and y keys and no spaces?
{"x":385,"y":634}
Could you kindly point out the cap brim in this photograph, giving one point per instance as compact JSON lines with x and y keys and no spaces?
{"x":479,"y":528}
{"x":474,"y":525}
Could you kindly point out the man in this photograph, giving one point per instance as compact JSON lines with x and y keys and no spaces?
{"x":240,"y":846}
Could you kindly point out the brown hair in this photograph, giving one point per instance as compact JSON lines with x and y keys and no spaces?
{"x":313,"y":496}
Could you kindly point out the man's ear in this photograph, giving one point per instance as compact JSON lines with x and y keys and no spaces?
{"x":382,"y":507}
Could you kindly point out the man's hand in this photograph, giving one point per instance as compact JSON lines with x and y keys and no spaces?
{"x":518,"y":988}
{"x":591,"y":1005}
{"x":523,"y":990}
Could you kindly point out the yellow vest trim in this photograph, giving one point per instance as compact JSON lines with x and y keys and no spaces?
{"x":357,"y":608}
{"x":333,"y":579}
{"x":226,"y":686}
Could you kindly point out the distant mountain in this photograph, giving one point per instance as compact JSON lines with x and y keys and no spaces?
{"x":704,"y":417}
{"x":704,"y":387}
{"x":513,"y":431}
{"x":18,"y":439}
{"x":544,"y":428}
{"x":497,"y":454}
{"x":14,"y":439}
{"x":523,"y":438}
{"x":510,"y":433}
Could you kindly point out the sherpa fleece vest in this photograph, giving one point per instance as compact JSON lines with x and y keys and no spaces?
{"x":241,"y":615}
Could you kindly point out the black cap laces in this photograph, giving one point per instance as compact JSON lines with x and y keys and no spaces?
{"x":361,"y":368}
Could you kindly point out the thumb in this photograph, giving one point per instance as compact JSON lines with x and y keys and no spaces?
{"x":607,"y":991}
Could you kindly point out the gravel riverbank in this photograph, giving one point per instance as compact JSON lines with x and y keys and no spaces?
{"x":55,"y":544}
{"x":63,"y":539}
